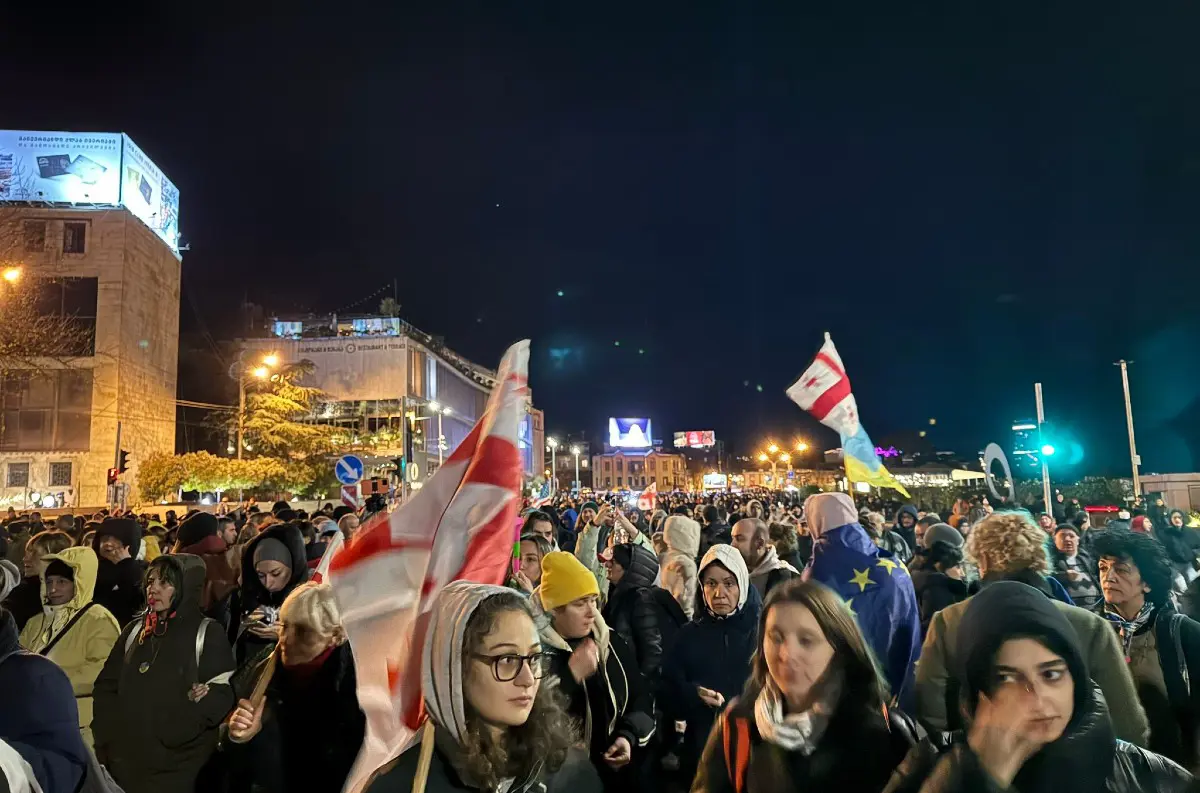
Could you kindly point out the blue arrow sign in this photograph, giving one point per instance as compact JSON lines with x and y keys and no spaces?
{"x":348,"y":469}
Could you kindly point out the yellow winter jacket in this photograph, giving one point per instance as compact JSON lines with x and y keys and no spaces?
{"x":153,"y":547}
{"x":82,"y":651}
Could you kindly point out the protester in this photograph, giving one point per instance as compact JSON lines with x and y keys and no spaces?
{"x":117,"y":543}
{"x":349,"y":525}
{"x":25,"y":601}
{"x":1182,"y":544}
{"x":595,"y":668}
{"x":1074,"y":568}
{"x":537,"y":522}
{"x":709,"y":662}
{"x":905,"y":525}
{"x":498,"y":724}
{"x":597,"y":535}
{"x":713,"y":530}
{"x":814,"y":715}
{"x":1161,"y":646}
{"x":533,"y":548}
{"x":273,"y":564}
{"x":642,"y":614}
{"x":1010,"y":546}
{"x":201,"y":534}
{"x":868,"y":578}
{"x":767,"y":571}
{"x":886,"y":539}
{"x":164,"y":690}
{"x":924,"y":523}
{"x":312,"y":682}
{"x":39,"y":722}
{"x":72,"y":631}
{"x":682,"y":537}
{"x":1034,"y":720}
{"x":941,"y":582}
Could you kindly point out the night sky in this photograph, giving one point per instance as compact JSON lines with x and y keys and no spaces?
{"x":969,"y":197}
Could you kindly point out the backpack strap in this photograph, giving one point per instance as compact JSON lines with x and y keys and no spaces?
{"x":736,"y":732}
{"x":201,"y":632}
{"x":1177,"y":619}
{"x":70,"y":624}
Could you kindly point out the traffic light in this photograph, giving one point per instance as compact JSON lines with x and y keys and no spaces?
{"x":1047,"y":450}
{"x":123,"y":464}
{"x":112,"y":476}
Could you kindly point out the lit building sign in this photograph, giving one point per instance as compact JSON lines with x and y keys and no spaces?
{"x":103,"y":168}
{"x":695,"y":439}
{"x":888,"y":452}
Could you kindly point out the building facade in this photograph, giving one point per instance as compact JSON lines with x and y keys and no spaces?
{"x":119,"y":279}
{"x":636,"y":470}
{"x":396,"y":389}
{"x":564,"y":464}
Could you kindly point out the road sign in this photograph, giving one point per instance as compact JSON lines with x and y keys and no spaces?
{"x":348,"y":469}
{"x":350,"y":496}
{"x":412,"y":472}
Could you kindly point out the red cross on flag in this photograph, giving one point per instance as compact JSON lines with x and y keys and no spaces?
{"x":459,"y":526}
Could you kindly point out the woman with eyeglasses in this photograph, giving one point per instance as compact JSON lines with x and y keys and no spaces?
{"x":596,"y":670}
{"x":270,"y":743}
{"x":499,"y":727}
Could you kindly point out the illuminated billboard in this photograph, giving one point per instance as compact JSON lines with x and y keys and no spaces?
{"x":104,"y":168}
{"x":695,"y":439}
{"x":629,"y":433}
{"x":716,"y":482}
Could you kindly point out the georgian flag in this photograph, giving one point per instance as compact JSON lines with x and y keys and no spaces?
{"x":459,"y":526}
{"x":648,"y":498}
{"x":824,"y":391}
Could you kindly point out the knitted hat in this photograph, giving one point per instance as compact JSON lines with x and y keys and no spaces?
{"x":943,"y":532}
{"x":565,"y":579}
{"x":196,"y":527}
{"x":592,"y":505}
{"x":59,"y":568}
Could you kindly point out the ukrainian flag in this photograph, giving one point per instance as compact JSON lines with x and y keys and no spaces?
{"x":824,"y":391}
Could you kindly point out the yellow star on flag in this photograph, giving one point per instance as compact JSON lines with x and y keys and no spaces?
{"x":862,"y":578}
{"x":888,"y":565}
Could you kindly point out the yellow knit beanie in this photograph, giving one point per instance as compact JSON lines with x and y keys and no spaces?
{"x":564,"y":579}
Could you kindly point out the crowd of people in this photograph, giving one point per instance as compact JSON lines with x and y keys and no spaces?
{"x":731,"y":643}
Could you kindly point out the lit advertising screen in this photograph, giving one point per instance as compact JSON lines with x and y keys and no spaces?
{"x":72,"y":167}
{"x":89,"y":168}
{"x":716,"y":481}
{"x":695,"y":439}
{"x":150,"y":195}
{"x":629,"y":433}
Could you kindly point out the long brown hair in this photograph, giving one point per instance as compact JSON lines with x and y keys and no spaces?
{"x":542,"y":740}
{"x":863,"y":683}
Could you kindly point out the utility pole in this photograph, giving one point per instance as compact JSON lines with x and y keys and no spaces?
{"x":1041,"y":419}
{"x":1134,"y":458}
{"x":113,"y":491}
{"x":241,"y":426}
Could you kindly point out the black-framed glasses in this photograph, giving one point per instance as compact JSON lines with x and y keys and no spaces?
{"x":506,"y":667}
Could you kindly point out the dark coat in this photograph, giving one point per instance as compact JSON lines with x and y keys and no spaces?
{"x":249,"y":649}
{"x":1087,"y":759}
{"x":715,"y":533}
{"x":312,"y":731}
{"x":119,"y":588}
{"x":576,"y":776}
{"x":909,"y":535}
{"x":710,"y":652}
{"x":220,"y":578}
{"x":642,"y":614}
{"x":936,"y":590}
{"x":38,"y":717}
{"x":25,"y":601}
{"x":150,"y":735}
{"x":857,"y":754}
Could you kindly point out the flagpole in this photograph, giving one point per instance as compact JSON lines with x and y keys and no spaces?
{"x":425,"y":758}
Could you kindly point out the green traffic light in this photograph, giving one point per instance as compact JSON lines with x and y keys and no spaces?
{"x":1048,"y":450}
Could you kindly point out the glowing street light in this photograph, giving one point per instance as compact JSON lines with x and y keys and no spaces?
{"x":12,"y":274}
{"x":762,"y":458}
{"x":575,"y":450}
{"x":1048,"y":450}
{"x":261,"y":372}
{"x":552,"y":444}
{"x":801,"y":446}
{"x":785,"y":458}
{"x":773,"y":448}
{"x":271,"y":360}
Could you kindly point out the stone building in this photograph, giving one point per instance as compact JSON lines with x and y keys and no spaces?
{"x":628,"y":469}
{"x":114,"y":274}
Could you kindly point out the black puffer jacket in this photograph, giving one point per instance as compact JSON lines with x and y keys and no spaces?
{"x":1087,"y":759}
{"x":637,"y":612}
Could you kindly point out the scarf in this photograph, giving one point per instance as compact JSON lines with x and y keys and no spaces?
{"x":1129,"y":628}
{"x":770,"y":562}
{"x":796,"y":731}
{"x":155,"y":625}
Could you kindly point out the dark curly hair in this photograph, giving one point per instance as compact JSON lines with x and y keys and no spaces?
{"x":541,"y":742}
{"x":1147,"y":555}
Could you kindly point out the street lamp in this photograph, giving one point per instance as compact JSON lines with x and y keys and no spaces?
{"x":801,"y":446}
{"x":440,"y":410}
{"x":12,"y":274}
{"x":773,"y":449}
{"x":552,"y":444}
{"x":575,"y":450}
{"x":262,"y":372}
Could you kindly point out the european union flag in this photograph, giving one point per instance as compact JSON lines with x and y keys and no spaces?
{"x":873,"y":582}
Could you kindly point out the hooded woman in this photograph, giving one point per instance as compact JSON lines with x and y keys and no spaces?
{"x":273,"y":564}
{"x":595,"y":668}
{"x":498,"y":723}
{"x":118,"y":543}
{"x":72,"y":631}
{"x":709,"y":662}
{"x":814,"y":714}
{"x":678,"y":564}
{"x":642,"y":614}
{"x":165,"y":687}
{"x":200,"y":535}
{"x":1182,"y":543}
{"x":312,"y":682}
{"x":25,"y":601}
{"x":1034,"y":720}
